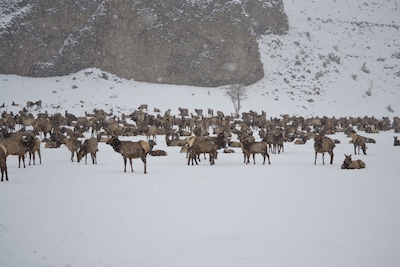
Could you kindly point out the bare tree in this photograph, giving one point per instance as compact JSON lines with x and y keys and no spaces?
{"x":237,"y":93}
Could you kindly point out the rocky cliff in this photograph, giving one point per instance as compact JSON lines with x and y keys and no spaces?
{"x":192,"y":42}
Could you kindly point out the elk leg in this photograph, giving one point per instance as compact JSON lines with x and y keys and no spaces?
{"x":144,"y":162}
{"x":124,"y":164}
{"x":130,"y":162}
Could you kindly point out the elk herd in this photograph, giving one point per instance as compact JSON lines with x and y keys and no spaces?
{"x":22,"y":134}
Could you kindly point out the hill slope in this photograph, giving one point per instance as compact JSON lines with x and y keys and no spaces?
{"x":332,"y":62}
{"x":174,"y":42}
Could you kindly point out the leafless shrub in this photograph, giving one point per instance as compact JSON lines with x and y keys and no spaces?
{"x":237,"y":94}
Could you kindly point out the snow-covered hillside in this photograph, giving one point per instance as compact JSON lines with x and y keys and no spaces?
{"x":340,"y":58}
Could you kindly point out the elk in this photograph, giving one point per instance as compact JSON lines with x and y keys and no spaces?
{"x":33,"y":148}
{"x":89,"y":146}
{"x":199,"y":145}
{"x":360,"y":143}
{"x":352,"y":164}
{"x":16,"y":145}
{"x":156,"y":152}
{"x":250,"y":147}
{"x":323,"y":144}
{"x":130,"y":150}
{"x":175,"y":141}
{"x":3,"y":162}
{"x":150,"y":131}
{"x":143,"y":106}
{"x":73,"y":145}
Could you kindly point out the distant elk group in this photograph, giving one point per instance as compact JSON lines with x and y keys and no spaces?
{"x":198,"y":132}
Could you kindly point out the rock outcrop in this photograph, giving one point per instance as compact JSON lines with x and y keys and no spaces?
{"x":202,"y":43}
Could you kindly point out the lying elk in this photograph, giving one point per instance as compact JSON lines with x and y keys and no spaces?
{"x":352,"y":164}
{"x":89,"y":146}
{"x":130,"y":150}
{"x":156,"y":152}
{"x":3,"y":162}
{"x":323,"y":144}
{"x":396,"y":142}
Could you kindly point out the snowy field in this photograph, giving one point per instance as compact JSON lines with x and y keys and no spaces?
{"x":289,"y":213}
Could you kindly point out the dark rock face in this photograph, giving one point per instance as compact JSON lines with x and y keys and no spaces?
{"x":192,"y":42}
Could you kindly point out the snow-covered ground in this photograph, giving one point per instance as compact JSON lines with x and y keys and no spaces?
{"x":289,"y":213}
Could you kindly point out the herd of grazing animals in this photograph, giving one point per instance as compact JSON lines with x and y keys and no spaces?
{"x":195,"y":133}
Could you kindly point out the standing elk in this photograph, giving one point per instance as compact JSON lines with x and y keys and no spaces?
{"x":249,"y":147}
{"x":16,"y":145}
{"x":199,"y":145}
{"x":150,"y":131}
{"x":3,"y":162}
{"x":360,"y":143}
{"x":130,"y":150}
{"x":352,"y":164}
{"x":89,"y":146}
{"x":323,"y":144}
{"x":73,"y":145}
{"x":33,"y":148}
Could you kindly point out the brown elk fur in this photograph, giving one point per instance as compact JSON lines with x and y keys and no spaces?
{"x":73,"y":145}
{"x":130,"y":150}
{"x":89,"y":146}
{"x":16,"y":145}
{"x":360,"y":143}
{"x":3,"y":162}
{"x":352,"y":164}
{"x":156,"y":153}
{"x":33,"y":148}
{"x":199,"y":145}
{"x":323,"y":144}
